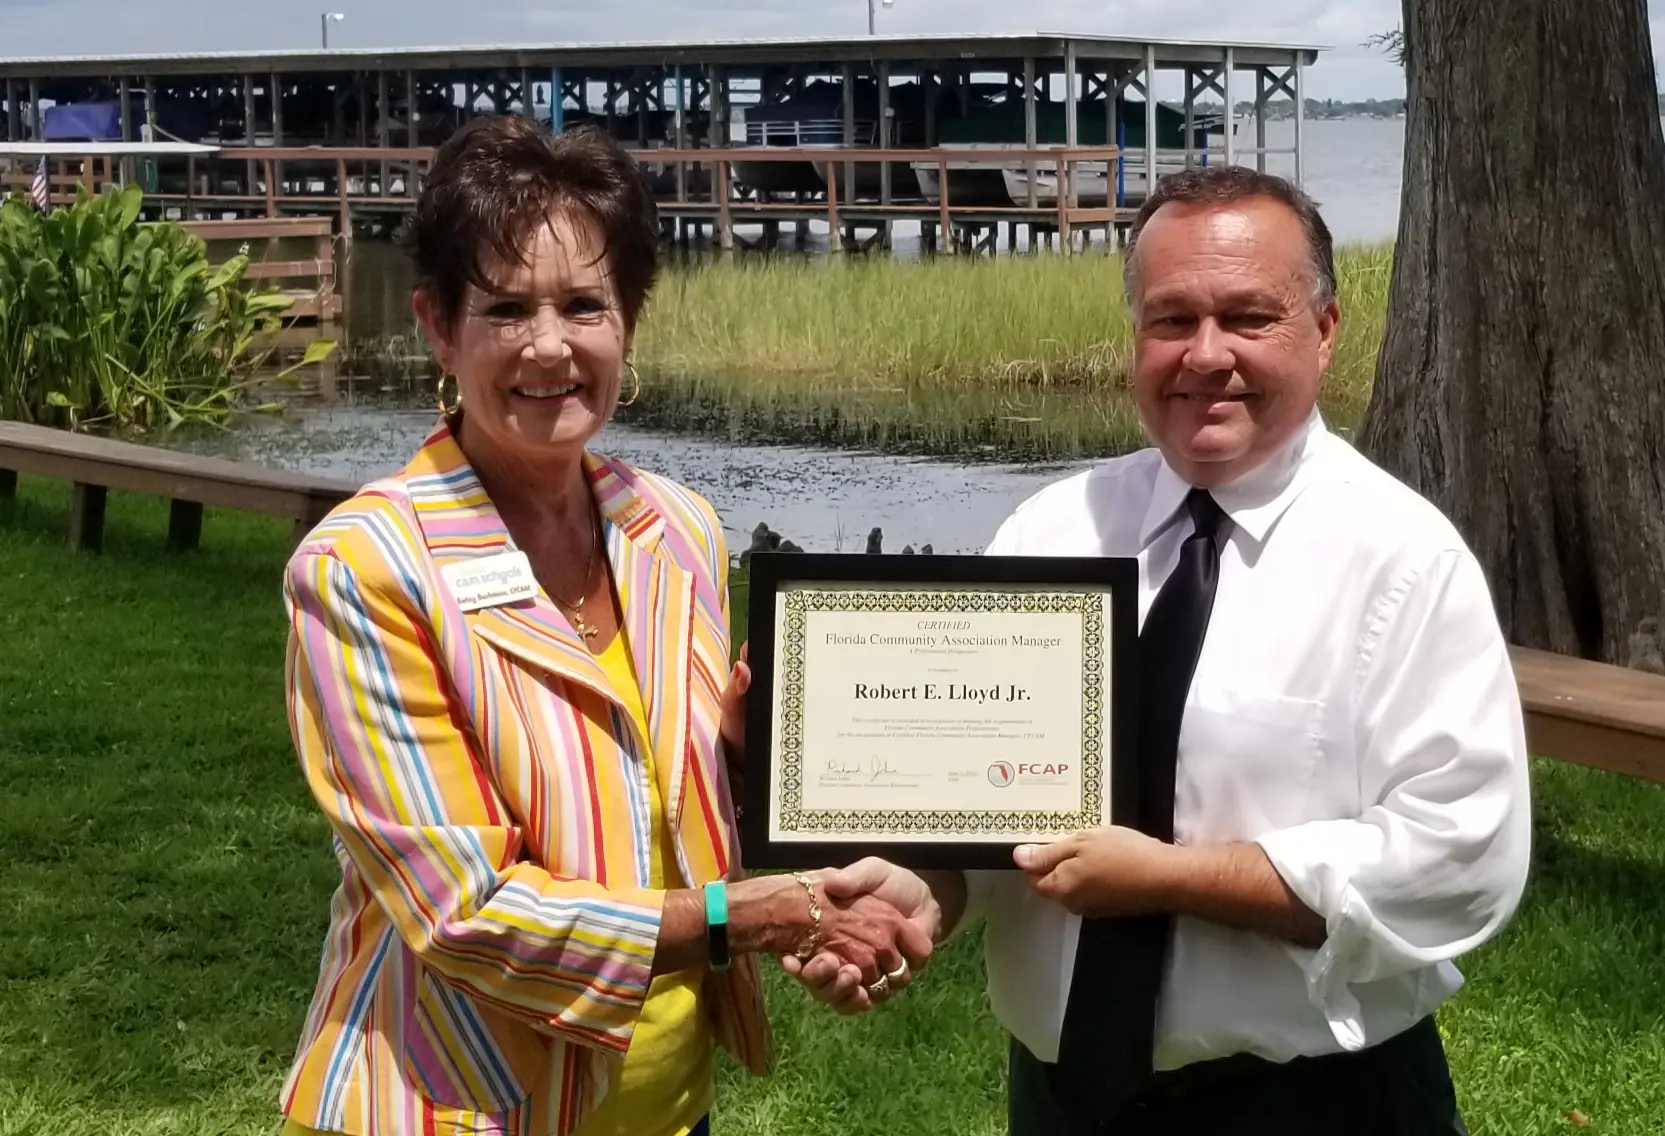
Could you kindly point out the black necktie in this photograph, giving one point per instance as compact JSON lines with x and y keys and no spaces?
{"x":1105,"y":1051}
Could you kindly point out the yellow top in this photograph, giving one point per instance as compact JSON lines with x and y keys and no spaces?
{"x":667,"y":1083}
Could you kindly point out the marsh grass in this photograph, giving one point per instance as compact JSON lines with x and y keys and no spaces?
{"x":1021,"y":357}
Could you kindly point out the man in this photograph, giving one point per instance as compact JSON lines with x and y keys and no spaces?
{"x":1333,"y":797}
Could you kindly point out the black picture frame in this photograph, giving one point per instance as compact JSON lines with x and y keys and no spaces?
{"x":769,"y":571}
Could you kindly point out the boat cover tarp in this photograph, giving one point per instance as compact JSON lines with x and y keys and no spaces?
{"x":82,"y":122}
{"x":1004,"y":122}
{"x":100,"y":121}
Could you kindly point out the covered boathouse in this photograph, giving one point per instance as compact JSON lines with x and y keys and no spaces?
{"x":742,"y":138}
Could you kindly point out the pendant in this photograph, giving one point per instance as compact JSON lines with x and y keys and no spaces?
{"x":584,"y":629}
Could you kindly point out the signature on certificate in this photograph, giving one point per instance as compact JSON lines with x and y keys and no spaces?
{"x":874,"y":768}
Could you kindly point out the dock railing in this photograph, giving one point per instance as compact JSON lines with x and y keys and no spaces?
{"x":62,"y":176}
{"x":834,"y":163}
{"x":295,"y":255}
{"x":356,"y":181}
{"x":268,"y":167}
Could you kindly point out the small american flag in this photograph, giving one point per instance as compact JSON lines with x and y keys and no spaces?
{"x":40,"y":190}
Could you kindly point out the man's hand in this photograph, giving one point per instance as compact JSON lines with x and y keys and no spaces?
{"x":872,"y":937}
{"x":900,"y":888}
{"x":831,"y":980}
{"x":1118,"y":871}
{"x":1103,"y":872}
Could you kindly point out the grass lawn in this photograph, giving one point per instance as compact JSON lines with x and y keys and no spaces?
{"x":166,"y":876}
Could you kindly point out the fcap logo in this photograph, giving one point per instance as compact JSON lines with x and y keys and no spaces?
{"x":1001,"y":774}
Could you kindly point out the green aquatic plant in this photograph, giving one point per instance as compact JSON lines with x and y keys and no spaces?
{"x":111,"y":323}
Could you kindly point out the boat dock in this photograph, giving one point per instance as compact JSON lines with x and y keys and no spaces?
{"x":747,"y":143}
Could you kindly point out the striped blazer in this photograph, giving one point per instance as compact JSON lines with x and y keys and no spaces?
{"x":490,"y":944}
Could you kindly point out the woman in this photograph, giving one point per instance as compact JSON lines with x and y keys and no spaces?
{"x":506,"y":683}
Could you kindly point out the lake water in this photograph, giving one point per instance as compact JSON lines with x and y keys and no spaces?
{"x":823,"y":500}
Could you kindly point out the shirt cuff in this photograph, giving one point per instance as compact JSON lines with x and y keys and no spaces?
{"x":1319,"y":861}
{"x":979,"y":890}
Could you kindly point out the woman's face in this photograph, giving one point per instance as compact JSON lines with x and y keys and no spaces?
{"x":538,"y":358}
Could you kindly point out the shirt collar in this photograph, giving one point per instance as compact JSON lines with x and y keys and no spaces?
{"x":1254,"y":501}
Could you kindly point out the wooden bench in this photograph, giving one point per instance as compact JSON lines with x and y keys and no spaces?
{"x":95,"y":465}
{"x":1594,"y":714}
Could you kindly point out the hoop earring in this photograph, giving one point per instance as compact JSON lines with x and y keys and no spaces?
{"x":636,"y":384}
{"x":439,"y":392}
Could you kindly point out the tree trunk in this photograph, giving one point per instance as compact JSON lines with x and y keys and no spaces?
{"x":1521,"y":384}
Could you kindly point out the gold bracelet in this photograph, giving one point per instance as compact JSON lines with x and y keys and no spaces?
{"x":813,"y":942}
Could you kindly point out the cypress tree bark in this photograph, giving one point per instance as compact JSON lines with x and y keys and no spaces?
{"x":1521,"y":383}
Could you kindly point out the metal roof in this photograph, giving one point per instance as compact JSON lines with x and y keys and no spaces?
{"x":100,"y":149}
{"x":726,"y":52}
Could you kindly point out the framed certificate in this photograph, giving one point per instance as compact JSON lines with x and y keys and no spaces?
{"x":935,"y":710}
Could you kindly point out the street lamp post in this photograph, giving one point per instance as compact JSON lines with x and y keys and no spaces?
{"x":324,"y":19}
{"x":870,"y":24}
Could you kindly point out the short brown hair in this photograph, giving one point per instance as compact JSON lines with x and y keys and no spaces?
{"x":498,"y":178}
{"x":1227,"y":185}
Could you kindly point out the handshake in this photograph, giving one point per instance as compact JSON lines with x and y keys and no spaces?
{"x":872,"y":926}
{"x":868,"y":929}
{"x":875,"y":926}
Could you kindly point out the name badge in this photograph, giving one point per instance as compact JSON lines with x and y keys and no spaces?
{"x":488,"y":581}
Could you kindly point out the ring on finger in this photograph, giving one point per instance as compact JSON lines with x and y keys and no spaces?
{"x":897,"y":975}
{"x":880,"y":988}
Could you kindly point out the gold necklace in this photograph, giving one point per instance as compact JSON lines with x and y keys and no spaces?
{"x":585,"y":630}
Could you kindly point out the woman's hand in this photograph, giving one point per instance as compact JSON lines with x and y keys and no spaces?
{"x":777,"y":913}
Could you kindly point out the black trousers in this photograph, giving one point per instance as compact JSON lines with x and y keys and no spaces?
{"x":1401,"y":1087}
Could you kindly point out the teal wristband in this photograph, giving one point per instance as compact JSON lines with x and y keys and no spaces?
{"x":716,"y":924}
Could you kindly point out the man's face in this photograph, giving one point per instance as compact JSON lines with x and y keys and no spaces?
{"x":1228,"y":343}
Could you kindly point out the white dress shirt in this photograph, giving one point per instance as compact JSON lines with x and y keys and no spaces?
{"x":1354,"y":712}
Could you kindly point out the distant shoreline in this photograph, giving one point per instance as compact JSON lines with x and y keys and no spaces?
{"x":1317,"y":110}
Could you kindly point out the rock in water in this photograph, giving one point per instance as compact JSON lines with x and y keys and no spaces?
{"x":764,"y":539}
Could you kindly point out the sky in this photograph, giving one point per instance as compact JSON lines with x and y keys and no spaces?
{"x":1348,"y":70}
